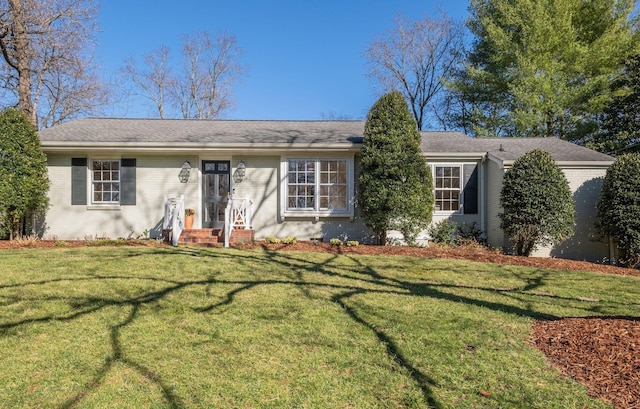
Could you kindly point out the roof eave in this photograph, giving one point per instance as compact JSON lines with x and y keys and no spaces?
{"x":572,"y":164}
{"x":453,"y":155}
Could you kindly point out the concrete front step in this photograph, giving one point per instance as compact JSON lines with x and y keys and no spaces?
{"x":213,"y":237}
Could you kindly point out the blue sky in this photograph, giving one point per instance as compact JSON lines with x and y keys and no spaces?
{"x":304,"y":58}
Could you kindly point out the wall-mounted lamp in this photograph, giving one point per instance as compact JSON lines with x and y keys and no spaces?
{"x":240,"y":173}
{"x":185,"y":172}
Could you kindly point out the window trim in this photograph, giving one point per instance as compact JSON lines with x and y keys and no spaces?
{"x":316,"y":212}
{"x":92,"y":182}
{"x":460,"y":166}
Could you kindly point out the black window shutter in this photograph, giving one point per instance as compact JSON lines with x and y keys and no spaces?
{"x":470,"y":174}
{"x":128,"y":182}
{"x":78,"y":181}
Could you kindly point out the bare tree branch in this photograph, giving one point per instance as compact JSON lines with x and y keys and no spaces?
{"x":415,"y":58}
{"x":202,"y":88}
{"x":210,"y":69}
{"x":155,"y":80}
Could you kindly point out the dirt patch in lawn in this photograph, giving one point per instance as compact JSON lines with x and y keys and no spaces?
{"x":601,"y":353}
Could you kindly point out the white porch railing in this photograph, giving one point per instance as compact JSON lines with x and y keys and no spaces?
{"x":237,"y":214}
{"x":173,"y":222}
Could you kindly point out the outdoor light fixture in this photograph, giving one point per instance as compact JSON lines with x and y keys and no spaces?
{"x":239,"y":174}
{"x":185,"y":171}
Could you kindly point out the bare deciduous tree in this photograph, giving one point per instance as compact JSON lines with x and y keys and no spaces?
{"x":415,"y":58}
{"x":46,"y":65}
{"x":155,"y":79}
{"x":202,"y":88}
{"x":210,"y":68}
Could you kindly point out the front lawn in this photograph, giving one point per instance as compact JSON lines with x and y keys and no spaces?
{"x":160,"y":327}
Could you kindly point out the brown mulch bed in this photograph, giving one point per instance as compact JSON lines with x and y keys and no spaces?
{"x":601,"y":353}
{"x":471,"y":252}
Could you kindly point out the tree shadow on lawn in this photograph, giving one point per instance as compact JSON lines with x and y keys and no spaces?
{"x":304,"y":274}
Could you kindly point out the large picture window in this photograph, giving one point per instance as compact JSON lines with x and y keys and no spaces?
{"x":105,"y":181}
{"x":319,"y":185}
{"x":447,"y":188}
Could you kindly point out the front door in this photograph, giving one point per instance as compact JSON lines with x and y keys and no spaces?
{"x":216,"y":179}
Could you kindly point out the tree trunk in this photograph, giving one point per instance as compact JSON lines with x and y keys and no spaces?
{"x":381,"y":238}
{"x":21,"y":60}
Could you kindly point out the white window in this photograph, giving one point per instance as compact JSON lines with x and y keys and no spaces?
{"x":105,"y":181}
{"x":319,"y":186}
{"x":447,"y":187}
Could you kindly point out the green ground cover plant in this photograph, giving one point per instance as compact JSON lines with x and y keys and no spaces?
{"x":162,"y":327}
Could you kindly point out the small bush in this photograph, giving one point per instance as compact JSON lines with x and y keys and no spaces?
{"x":60,"y":243}
{"x":469,"y":233}
{"x":272,"y":240}
{"x":443,"y":232}
{"x":353,"y":243}
{"x":290,"y":240}
{"x":335,"y":242}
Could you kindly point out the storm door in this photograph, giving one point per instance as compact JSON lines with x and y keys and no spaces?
{"x":215,"y":195}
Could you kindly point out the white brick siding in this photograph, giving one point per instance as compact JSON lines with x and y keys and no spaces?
{"x":155,"y":177}
{"x":585,"y":244}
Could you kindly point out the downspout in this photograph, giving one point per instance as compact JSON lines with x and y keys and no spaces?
{"x":228,"y":211}
{"x":483,"y":195}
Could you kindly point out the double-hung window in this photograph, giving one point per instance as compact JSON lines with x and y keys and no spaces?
{"x":105,"y":181}
{"x":317,"y":186}
{"x":447,"y":182}
{"x":455,"y":187}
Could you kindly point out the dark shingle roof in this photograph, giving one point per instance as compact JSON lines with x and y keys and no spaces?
{"x":110,"y":132}
{"x":205,"y":131}
{"x":509,"y":149}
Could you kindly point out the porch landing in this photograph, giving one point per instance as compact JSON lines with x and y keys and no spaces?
{"x":213,"y":237}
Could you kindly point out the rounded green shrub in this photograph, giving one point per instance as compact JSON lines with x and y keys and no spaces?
{"x":538,"y":207}
{"x":619,"y":208}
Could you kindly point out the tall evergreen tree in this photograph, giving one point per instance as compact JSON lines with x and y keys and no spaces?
{"x":395,"y":184}
{"x":621,"y":119}
{"x":23,"y":171}
{"x":543,"y":67}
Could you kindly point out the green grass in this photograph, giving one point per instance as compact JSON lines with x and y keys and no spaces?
{"x":139,"y":327}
